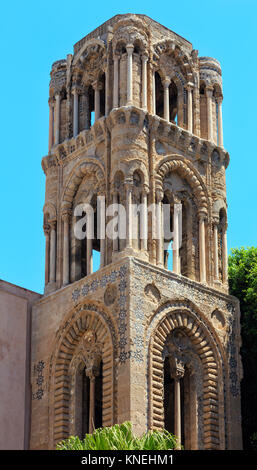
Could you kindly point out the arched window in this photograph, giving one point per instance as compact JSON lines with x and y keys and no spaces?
{"x":181,"y":371}
{"x":102,"y":94}
{"x":173,"y":102}
{"x":159,"y":93}
{"x":96,"y":240}
{"x":89,"y":400}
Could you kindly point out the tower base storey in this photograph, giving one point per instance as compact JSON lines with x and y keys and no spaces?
{"x":134,"y":342}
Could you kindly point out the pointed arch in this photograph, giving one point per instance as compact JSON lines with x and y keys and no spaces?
{"x":183,"y":315}
{"x":90,"y":166}
{"x":187,"y":171}
{"x":67,"y":356}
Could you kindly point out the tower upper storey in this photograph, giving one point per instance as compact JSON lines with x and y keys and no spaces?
{"x":136,"y":117}
{"x":133,"y":60}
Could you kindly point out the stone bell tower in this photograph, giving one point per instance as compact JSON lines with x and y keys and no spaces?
{"x":152,"y":335}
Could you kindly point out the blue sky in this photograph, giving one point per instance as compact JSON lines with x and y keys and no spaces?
{"x":35,"y":34}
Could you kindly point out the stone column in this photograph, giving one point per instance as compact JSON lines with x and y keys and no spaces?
{"x":180,"y":119}
{"x":106,"y":76}
{"x":176,"y":256}
{"x":129,"y":219}
{"x":97,"y":88}
{"x":90,"y":231}
{"x":51,"y":122}
{"x":102,"y":231}
{"x":209,"y":94}
{"x":144,"y":81}
{"x":220,"y":125}
{"x":57,"y":119}
{"x":144,"y":221}
{"x":52,"y":224}
{"x":91,"y":376}
{"x":177,"y":373}
{"x":190,"y":87}
{"x":130,"y":49}
{"x":116,"y":59}
{"x":159,"y":228}
{"x":224,"y":254}
{"x":75,"y":112}
{"x":115,"y":240}
{"x":215,"y":248}
{"x":153,"y":93}
{"x":66,"y":248}
{"x":202,"y":257}
{"x":87,"y":116}
{"x":47,"y":246}
{"x":166,"y":84}
{"x":177,"y":409}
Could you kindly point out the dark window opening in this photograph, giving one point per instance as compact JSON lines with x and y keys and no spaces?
{"x":102,"y":95}
{"x":85,"y":403}
{"x":169,"y":401}
{"x":159,"y":95}
{"x":99,"y":398}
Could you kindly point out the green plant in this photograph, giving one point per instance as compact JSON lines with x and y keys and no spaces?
{"x":243,"y":284}
{"x":120,"y":437}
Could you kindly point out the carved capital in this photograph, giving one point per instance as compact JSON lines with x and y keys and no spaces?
{"x":66,"y":215}
{"x":130,"y":49}
{"x":166,"y":82}
{"x":209,"y":91}
{"x":202,"y":214}
{"x":177,"y":367}
{"x":159,"y":194}
{"x":52,"y":224}
{"x":46,"y":228}
{"x":190,"y":86}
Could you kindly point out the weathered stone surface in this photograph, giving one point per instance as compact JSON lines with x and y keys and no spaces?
{"x":134,"y":330}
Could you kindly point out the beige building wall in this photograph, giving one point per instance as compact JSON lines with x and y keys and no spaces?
{"x":15,"y":308}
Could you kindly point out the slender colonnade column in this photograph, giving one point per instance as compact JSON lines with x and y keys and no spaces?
{"x":216,"y":253}
{"x":57,"y":118}
{"x":153,"y":92}
{"x":75,"y":112}
{"x":144,"y":81}
{"x":129,"y":215}
{"x":116,"y":59}
{"x":66,"y":248}
{"x":115,"y":240}
{"x":166,"y":84}
{"x":52,"y":224}
{"x":220,"y":125}
{"x":209,"y":93}
{"x":224,"y":254}
{"x":51,"y":122}
{"x":97,"y":88}
{"x":202,"y":257}
{"x":91,"y":376}
{"x":144,"y":234}
{"x":47,"y":247}
{"x":102,"y":230}
{"x":190,"y":87}
{"x":159,"y":228}
{"x":87,"y":116}
{"x":176,"y":230}
{"x":177,"y":373}
{"x":130,"y":49}
{"x":90,"y":235}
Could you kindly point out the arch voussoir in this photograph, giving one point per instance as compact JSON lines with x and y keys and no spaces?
{"x":207,"y":353}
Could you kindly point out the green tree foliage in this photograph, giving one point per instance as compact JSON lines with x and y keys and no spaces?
{"x":243,"y":284}
{"x":120,"y":437}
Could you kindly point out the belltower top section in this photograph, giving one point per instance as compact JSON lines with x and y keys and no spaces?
{"x":133,"y":60}
{"x":136,"y":117}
